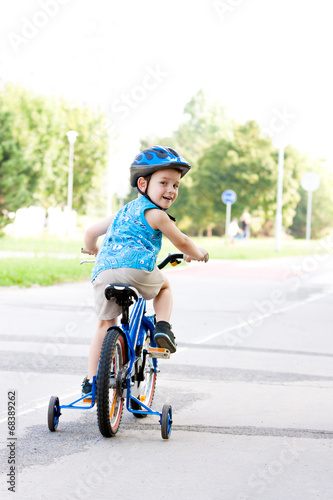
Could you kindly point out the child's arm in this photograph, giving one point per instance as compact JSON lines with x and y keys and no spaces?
{"x":92,"y":234}
{"x":160,"y":220}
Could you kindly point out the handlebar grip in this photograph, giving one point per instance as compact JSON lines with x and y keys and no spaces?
{"x":171,"y":258}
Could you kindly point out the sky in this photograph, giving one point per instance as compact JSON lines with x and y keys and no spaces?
{"x":142,"y":61}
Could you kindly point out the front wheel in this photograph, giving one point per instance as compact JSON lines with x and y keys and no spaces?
{"x":110,"y":402}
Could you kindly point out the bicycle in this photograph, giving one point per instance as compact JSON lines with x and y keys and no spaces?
{"x":127,"y":367}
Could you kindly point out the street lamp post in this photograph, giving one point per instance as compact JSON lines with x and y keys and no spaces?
{"x":278,"y":216}
{"x":72,"y":135}
{"x":310,"y":181}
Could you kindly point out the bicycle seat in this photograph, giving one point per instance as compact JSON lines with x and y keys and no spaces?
{"x":122,"y":293}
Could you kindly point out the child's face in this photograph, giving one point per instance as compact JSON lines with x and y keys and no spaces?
{"x":163,"y":187}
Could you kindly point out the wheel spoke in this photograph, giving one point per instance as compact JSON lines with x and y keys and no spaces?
{"x":113,"y":406}
{"x":147,"y":386}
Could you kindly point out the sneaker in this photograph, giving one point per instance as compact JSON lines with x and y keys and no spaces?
{"x":164,"y":337}
{"x":86,"y":386}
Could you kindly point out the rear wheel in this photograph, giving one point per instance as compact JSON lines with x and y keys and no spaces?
{"x":146,"y":387}
{"x":110,"y":402}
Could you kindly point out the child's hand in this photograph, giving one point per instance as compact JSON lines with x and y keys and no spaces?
{"x":205,"y":255}
{"x":204,"y":258}
{"x":90,"y":252}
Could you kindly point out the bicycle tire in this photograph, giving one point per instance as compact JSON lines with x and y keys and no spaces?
{"x":53,"y":413}
{"x":147,"y":387}
{"x":110,"y":405}
{"x":166,"y":421}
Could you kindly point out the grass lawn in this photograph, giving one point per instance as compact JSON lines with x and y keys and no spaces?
{"x":46,"y":261}
{"x":42,"y":271}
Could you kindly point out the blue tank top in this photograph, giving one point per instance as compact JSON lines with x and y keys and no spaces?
{"x":129,"y":241}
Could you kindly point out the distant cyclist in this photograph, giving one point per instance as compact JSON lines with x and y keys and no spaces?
{"x":133,"y":238}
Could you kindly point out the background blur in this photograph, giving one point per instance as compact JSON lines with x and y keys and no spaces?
{"x":226,"y":83}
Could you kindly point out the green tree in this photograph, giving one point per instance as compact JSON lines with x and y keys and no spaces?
{"x":244,"y":164}
{"x":248,"y":165}
{"x":17,"y":183}
{"x":227,"y":155}
{"x":39,"y":127}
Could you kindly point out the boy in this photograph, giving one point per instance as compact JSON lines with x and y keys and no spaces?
{"x":133,"y":238}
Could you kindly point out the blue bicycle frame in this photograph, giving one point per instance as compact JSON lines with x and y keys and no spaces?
{"x":93,"y":399}
{"x":136,"y":332}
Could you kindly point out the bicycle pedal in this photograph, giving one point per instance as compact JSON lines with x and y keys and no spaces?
{"x":159,"y":352}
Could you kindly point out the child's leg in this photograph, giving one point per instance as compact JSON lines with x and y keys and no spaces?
{"x":163,"y":335}
{"x":96,"y":344}
{"x":163,"y":303}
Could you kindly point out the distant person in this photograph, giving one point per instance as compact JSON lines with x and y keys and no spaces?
{"x":234,"y":230}
{"x":245,"y":220}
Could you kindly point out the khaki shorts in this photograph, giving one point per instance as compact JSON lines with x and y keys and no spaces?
{"x":148,"y":284}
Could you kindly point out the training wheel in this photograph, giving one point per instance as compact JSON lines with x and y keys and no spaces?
{"x":53,"y":413}
{"x":166,"y":421}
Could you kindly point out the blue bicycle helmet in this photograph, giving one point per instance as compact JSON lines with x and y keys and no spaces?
{"x":157,"y":158}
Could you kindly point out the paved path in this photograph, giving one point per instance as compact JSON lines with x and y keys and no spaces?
{"x":250,"y":385}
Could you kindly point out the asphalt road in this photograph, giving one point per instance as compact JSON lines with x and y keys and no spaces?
{"x":250,"y":386}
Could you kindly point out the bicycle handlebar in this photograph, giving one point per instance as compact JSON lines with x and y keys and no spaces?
{"x":172,"y":258}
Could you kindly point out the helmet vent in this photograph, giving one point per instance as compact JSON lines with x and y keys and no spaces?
{"x":173,"y":152}
{"x":160,"y":153}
